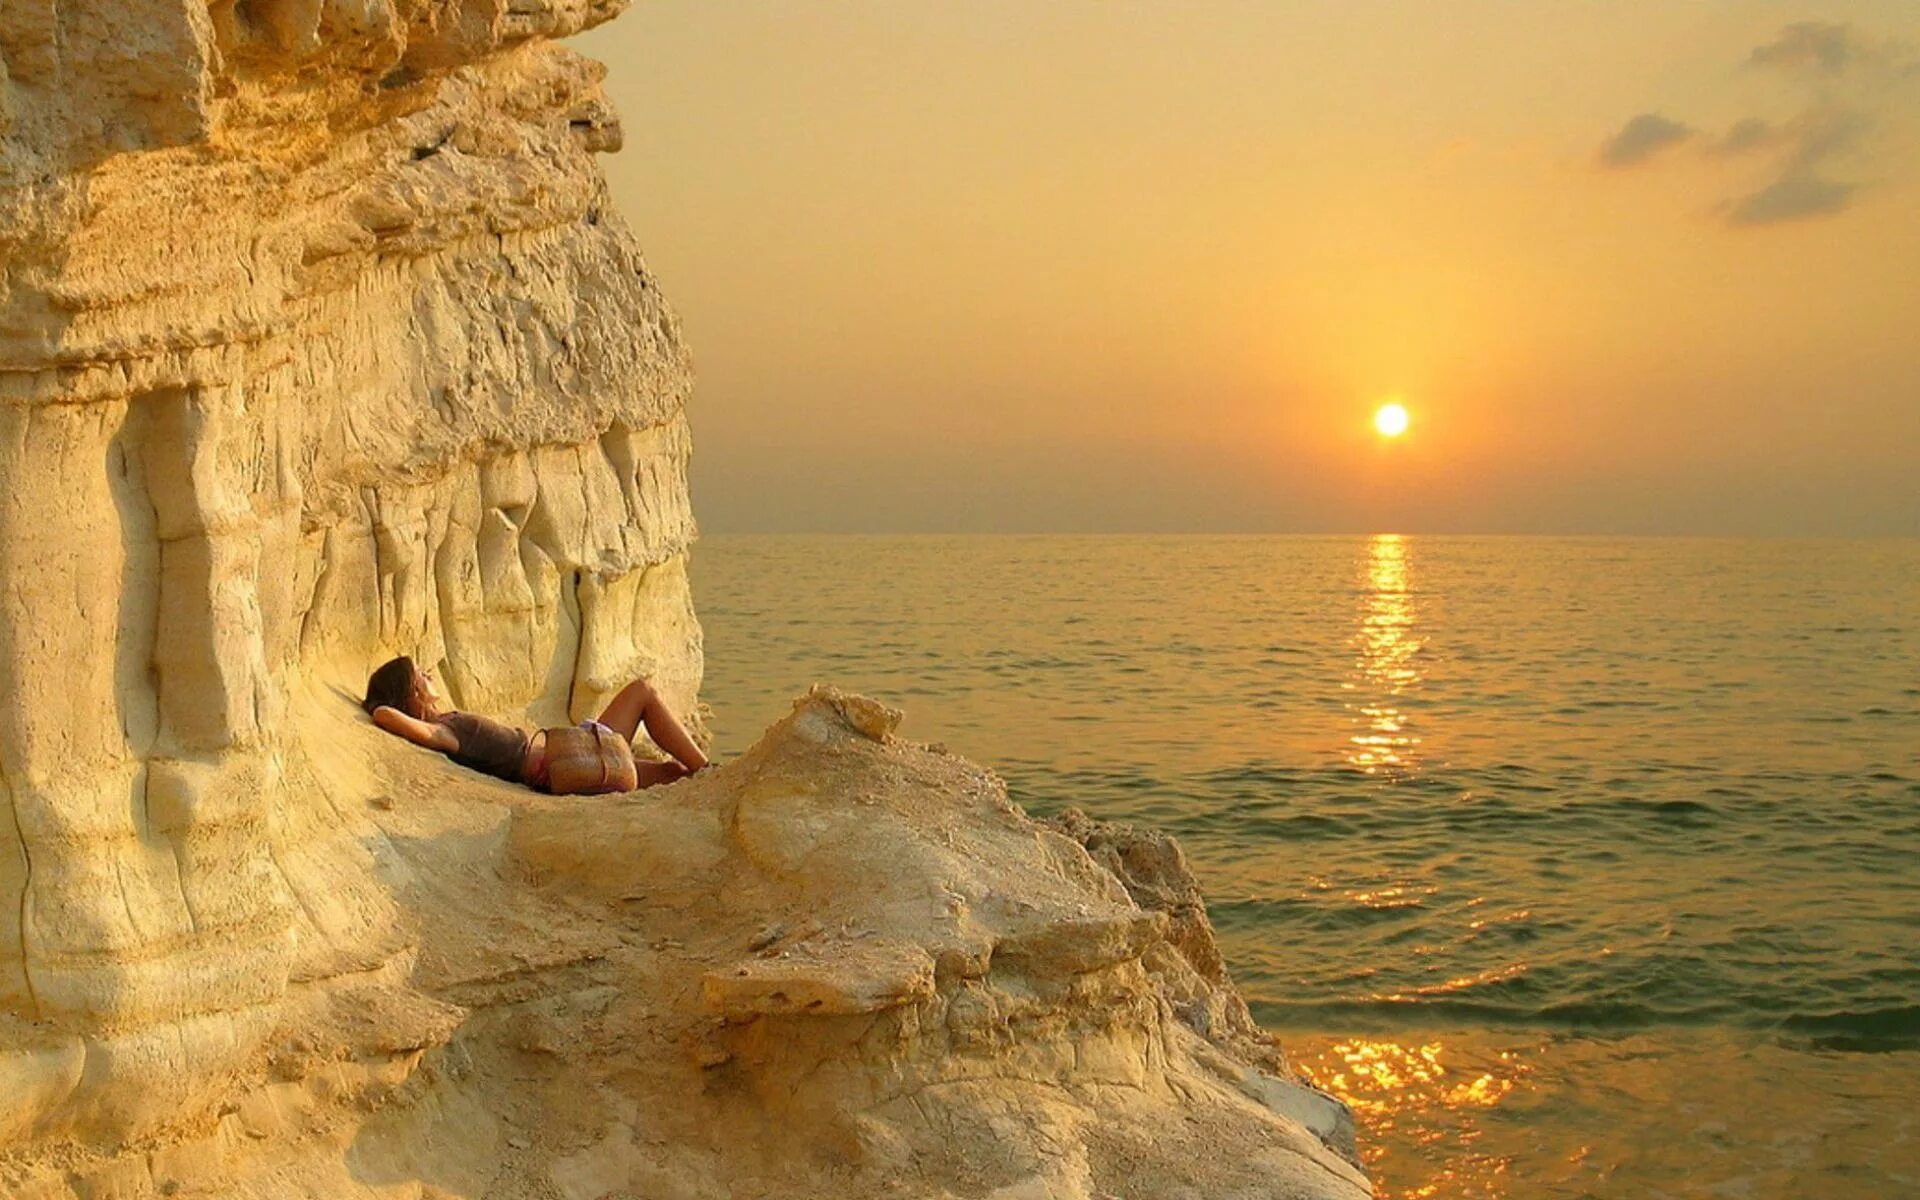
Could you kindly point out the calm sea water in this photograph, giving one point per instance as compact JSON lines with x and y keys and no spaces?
{"x":1581,"y":867}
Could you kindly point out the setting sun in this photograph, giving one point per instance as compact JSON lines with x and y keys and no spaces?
{"x":1391,"y":420}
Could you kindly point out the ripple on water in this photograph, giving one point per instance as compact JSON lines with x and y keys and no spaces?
{"x":1895,"y":1027}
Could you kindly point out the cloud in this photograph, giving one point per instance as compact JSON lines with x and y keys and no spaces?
{"x":1748,"y":133}
{"x":1848,"y":93}
{"x":1801,"y":148}
{"x":1809,"y":45}
{"x":1641,"y":138}
{"x":1822,"y":133}
{"x":1793,"y":198}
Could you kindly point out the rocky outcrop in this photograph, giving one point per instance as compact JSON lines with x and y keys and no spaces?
{"x":841,"y":965}
{"x":319,"y":342}
{"x":1187,"y":969}
{"x":903,"y":977}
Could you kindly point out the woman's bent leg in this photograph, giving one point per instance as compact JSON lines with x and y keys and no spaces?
{"x":638,"y":705}
{"x":649,"y":774}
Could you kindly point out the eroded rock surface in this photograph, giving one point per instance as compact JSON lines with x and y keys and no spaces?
{"x":319,"y":342}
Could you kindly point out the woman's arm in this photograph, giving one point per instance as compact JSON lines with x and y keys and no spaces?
{"x":420,"y":733}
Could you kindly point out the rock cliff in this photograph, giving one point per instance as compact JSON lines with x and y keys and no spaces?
{"x":319,"y":342}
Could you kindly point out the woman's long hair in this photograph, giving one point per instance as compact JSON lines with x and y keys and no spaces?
{"x":395,"y":684}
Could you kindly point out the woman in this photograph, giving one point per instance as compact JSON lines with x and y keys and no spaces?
{"x":595,"y":757}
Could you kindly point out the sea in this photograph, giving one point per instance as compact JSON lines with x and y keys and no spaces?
{"x":1579,"y":867}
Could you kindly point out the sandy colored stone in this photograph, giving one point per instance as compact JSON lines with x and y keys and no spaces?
{"x":318,"y":343}
{"x":852,"y":977}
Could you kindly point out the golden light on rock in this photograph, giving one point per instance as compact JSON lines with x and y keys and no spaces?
{"x":1391,"y":420}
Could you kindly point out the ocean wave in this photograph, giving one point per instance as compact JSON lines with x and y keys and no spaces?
{"x":1451,"y":1011}
{"x":1315,"y":914}
{"x":1866,"y":1031}
{"x":1886,"y":1028}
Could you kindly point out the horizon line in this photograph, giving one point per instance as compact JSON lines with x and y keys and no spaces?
{"x":1349,"y":533}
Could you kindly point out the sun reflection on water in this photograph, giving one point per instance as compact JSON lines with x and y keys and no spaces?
{"x":1387,"y":666}
{"x":1423,"y":1095}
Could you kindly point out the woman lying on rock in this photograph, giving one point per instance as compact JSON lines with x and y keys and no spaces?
{"x":588,"y":759}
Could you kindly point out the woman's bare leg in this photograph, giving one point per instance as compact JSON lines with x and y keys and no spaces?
{"x":637,"y":705}
{"x":648,"y":774}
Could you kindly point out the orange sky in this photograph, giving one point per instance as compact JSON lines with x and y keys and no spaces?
{"x":1639,"y":266}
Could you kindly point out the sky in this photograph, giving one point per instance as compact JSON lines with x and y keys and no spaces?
{"x":1633,"y":266}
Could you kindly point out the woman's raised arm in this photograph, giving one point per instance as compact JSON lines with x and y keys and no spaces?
{"x":421,"y":733}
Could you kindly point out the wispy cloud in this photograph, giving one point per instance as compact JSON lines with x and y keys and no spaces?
{"x":1748,"y":133}
{"x":1845,"y":85}
{"x":1809,"y":45}
{"x":1641,"y":138}
{"x":1791,"y":198}
{"x":1805,"y":149}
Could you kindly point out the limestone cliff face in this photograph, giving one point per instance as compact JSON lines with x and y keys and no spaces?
{"x":318,"y":342}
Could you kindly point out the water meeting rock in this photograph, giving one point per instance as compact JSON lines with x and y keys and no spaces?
{"x":320,"y":341}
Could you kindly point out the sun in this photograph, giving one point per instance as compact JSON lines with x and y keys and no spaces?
{"x":1390,"y":420}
